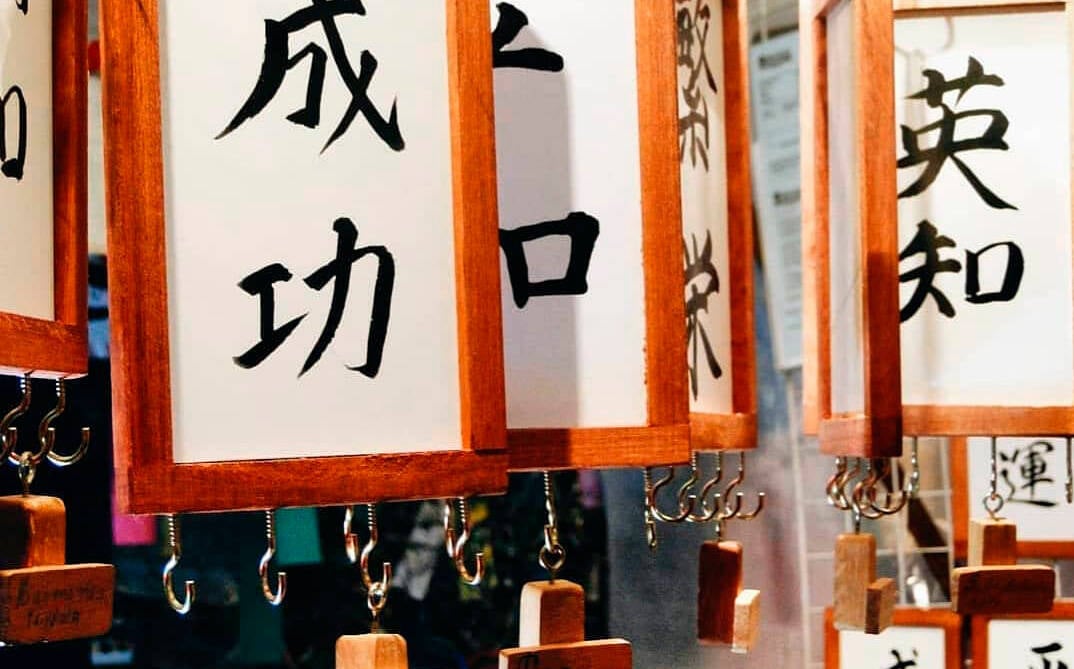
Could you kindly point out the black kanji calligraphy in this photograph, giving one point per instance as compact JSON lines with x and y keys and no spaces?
{"x":23,"y":6}
{"x":582,"y":231}
{"x":927,"y":242}
{"x":1024,"y":470}
{"x":510,"y":23}
{"x":949,"y":144}
{"x":13,"y":165}
{"x":694,"y":19}
{"x":900,"y":663}
{"x":1012,"y":275}
{"x":1049,"y":662}
{"x":702,"y":282}
{"x":279,"y":60}
{"x":337,"y":272}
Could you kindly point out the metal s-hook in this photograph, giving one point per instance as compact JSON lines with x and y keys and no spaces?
{"x":735,"y":512}
{"x":376,"y":590}
{"x":175,"y":544}
{"x":653,"y":490}
{"x":9,"y":435}
{"x":46,"y":434}
{"x":1070,"y":470}
{"x":456,"y":543}
{"x":881,"y":468}
{"x":263,"y":567}
{"x":553,"y":555}
{"x":993,"y":501}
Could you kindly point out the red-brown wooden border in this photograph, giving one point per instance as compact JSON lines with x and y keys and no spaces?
{"x":58,"y":348}
{"x":950,"y":622}
{"x":147,"y":479}
{"x":1063,"y":610}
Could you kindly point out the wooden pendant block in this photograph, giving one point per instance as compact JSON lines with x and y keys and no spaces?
{"x":855,"y":571}
{"x":880,"y":599}
{"x":371,"y":651}
{"x":747,"y":621}
{"x":719,"y":584}
{"x":994,"y":583}
{"x":42,"y":599}
{"x":552,"y":623}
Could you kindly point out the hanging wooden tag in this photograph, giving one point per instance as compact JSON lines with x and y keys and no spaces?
{"x":719,"y":584}
{"x":855,"y":571}
{"x":747,"y":621}
{"x":994,"y":583}
{"x":42,"y":599}
{"x":371,"y":651}
{"x":880,"y":599}
{"x":552,"y":623}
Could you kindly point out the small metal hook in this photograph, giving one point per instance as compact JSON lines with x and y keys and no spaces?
{"x":860,"y":497}
{"x":651,"y":492}
{"x":174,"y":543}
{"x":46,"y":434}
{"x":377,"y":590}
{"x":263,"y":567}
{"x":1070,"y":470}
{"x":993,"y":501}
{"x":881,"y":468}
{"x":456,"y":543}
{"x":648,"y":509}
{"x":9,"y":436}
{"x":553,"y":555}
{"x":740,"y":478}
{"x":709,"y":513}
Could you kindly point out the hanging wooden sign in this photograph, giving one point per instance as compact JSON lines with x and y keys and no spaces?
{"x":591,"y":233}
{"x":851,"y":381}
{"x":917,"y":638}
{"x":43,"y":188}
{"x":1032,"y":477}
{"x":1045,"y":640}
{"x":305,"y":294}
{"x":717,"y":214}
{"x":983,"y":109}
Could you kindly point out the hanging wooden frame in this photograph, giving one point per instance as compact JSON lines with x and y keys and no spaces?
{"x":963,"y":508}
{"x":737,"y":429}
{"x":1062,"y":611}
{"x":949,"y":420}
{"x":57,"y":348}
{"x":664,"y":439}
{"x":869,"y":426}
{"x":944,"y":619}
{"x":148,"y":479}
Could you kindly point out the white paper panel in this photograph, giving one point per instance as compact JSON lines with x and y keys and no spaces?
{"x":26,"y":271}
{"x":269,"y":192}
{"x":1031,"y":481}
{"x":924,"y":645}
{"x":845,"y":290}
{"x":568,"y":142}
{"x":1030,"y":643}
{"x":703,"y":155}
{"x":1015,"y":352}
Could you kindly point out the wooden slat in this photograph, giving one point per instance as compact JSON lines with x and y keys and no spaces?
{"x":371,"y":651}
{"x":611,"y":654}
{"x":747,"y":621}
{"x":593,"y":448}
{"x":719,"y":432}
{"x":719,"y":584}
{"x":1015,"y":5}
{"x":57,"y":603}
{"x":880,"y":605}
{"x":551,"y":613}
{"x":854,"y":435}
{"x":938,"y":421}
{"x":855,"y":571}
{"x":1002,"y":590}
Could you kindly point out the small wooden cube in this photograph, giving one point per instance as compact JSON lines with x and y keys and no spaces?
{"x":747,"y":621}
{"x":719,"y":582}
{"x":56,"y":603}
{"x":371,"y":651}
{"x":33,"y":531}
{"x":611,"y":654}
{"x":855,"y":571}
{"x":993,"y":543}
{"x":1002,"y":590}
{"x":880,"y":605}
{"x":551,"y":613}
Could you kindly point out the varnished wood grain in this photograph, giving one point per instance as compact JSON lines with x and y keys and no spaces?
{"x":880,"y":605}
{"x":371,"y":651}
{"x":719,"y":584}
{"x":1062,"y":610}
{"x":747,"y":621}
{"x":992,"y":543}
{"x":537,"y":450}
{"x":56,"y":603}
{"x":147,"y":480}
{"x":611,"y":654}
{"x":855,"y":571}
{"x":943,"y":618}
{"x":1002,"y":590}
{"x":853,"y":435}
{"x":720,"y":432}
{"x":551,"y":613}
{"x":57,"y":348}
{"x":968,"y":421}
{"x":33,"y":531}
